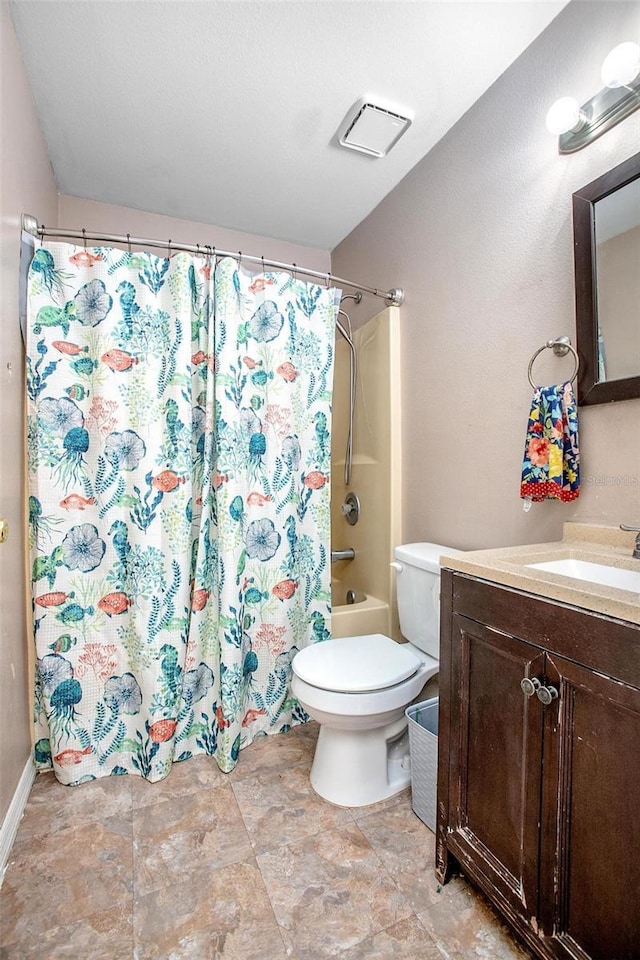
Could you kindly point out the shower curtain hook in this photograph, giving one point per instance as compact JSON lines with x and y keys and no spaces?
{"x":42,"y":230}
{"x":328,"y":279}
{"x":84,"y":238}
{"x":262,"y":258}
{"x":129,"y":242}
{"x":239,"y":258}
{"x":169,"y":248}
{"x":197,"y":249}
{"x":295,"y":271}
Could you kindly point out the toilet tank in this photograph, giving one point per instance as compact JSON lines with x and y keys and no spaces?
{"x":418,"y":591}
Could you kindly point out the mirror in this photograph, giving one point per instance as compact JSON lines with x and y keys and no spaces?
{"x":606,"y":234}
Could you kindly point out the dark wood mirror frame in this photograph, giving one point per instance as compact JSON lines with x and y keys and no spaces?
{"x":590,"y":389}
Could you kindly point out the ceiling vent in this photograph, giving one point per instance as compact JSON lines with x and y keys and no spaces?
{"x":373,"y":128}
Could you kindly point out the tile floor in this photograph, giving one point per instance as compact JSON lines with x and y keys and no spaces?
{"x":247,"y":866}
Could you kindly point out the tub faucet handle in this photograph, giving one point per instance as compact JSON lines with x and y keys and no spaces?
{"x":351,"y":508}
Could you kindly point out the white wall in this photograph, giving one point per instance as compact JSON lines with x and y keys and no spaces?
{"x":480,"y":236}
{"x":27,"y":185}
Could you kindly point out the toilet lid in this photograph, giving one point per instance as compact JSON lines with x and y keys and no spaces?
{"x":355,"y":664}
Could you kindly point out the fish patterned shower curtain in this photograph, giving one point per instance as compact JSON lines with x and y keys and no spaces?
{"x":179,"y":418}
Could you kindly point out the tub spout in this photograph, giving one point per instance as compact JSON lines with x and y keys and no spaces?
{"x":347,"y":554}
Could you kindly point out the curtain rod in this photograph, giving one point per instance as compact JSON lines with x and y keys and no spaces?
{"x":394,"y":297}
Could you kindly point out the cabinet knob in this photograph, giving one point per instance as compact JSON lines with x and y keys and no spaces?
{"x":546,"y":695}
{"x":529,"y":686}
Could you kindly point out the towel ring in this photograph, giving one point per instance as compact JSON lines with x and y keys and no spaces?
{"x":560,"y":347}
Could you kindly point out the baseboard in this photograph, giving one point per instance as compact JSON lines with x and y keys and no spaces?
{"x":12,"y":820}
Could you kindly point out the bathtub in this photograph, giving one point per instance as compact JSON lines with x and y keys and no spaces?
{"x":351,"y":619}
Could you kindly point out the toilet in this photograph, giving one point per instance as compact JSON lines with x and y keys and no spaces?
{"x":358,"y":688}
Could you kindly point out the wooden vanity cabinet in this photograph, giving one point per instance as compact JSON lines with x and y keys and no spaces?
{"x":539,"y":804}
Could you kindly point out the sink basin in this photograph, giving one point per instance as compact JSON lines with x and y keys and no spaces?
{"x":592,"y":573}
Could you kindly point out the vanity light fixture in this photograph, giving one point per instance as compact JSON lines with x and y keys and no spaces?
{"x":577,"y":126}
{"x":564,"y":115}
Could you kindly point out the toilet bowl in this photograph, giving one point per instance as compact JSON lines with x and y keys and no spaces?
{"x":358,"y":688}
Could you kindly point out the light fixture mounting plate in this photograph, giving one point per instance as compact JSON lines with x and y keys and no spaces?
{"x":607,"y":108}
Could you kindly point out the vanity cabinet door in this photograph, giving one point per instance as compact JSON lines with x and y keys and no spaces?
{"x":590,"y":840}
{"x":495,"y":763}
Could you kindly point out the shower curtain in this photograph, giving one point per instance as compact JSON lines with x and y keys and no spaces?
{"x":179,"y":416}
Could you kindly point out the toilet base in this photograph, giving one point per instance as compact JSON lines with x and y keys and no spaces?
{"x":354,"y":768}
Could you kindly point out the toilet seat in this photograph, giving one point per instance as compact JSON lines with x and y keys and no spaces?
{"x":356,"y":665}
{"x":365,"y":704}
{"x":359,"y":677}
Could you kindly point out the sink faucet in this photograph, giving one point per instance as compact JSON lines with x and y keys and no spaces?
{"x":636,"y":550}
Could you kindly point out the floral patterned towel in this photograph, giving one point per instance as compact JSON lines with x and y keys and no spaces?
{"x":551,"y":468}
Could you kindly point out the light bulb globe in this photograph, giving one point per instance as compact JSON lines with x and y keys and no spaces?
{"x":621,"y":65}
{"x":564,"y":115}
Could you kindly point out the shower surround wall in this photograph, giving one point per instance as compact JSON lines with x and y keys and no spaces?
{"x":375,"y":476}
{"x":479,"y":234}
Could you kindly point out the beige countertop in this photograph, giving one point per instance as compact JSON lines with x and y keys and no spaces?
{"x":581,"y":541}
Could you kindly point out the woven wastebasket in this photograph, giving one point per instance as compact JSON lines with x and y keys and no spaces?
{"x":423,"y":746}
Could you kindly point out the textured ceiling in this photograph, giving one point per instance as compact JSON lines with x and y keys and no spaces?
{"x":226,"y":112}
